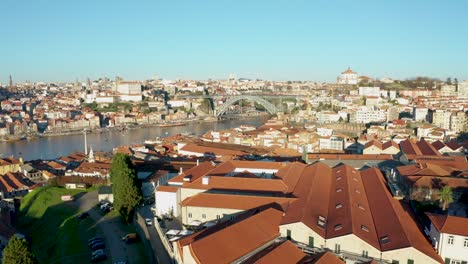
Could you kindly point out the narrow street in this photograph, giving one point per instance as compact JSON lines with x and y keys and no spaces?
{"x":162,"y":256}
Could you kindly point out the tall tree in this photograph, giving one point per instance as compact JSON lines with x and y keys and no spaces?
{"x":125,"y":186}
{"x":449,"y":80}
{"x":445,"y":197}
{"x":18,"y":252}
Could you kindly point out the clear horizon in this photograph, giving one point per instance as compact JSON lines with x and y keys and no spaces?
{"x":285,"y":40}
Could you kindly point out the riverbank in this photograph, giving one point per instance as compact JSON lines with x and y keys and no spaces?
{"x":12,"y":138}
{"x":53,"y":146}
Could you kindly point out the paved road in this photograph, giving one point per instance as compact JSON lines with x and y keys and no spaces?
{"x":117,"y":250}
{"x":161,"y":254}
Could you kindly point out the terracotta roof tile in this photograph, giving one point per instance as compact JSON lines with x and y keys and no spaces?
{"x":449,"y":224}
{"x":242,"y":202}
{"x":237,"y":240}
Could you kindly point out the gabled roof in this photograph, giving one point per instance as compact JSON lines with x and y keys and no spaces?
{"x":242,"y":202}
{"x":339,"y":201}
{"x":237,"y":240}
{"x":449,"y":224}
{"x":285,"y":253}
{"x":325,"y":258}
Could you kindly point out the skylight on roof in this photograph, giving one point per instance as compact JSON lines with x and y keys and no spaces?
{"x":338,"y":227}
{"x":360,"y":206}
{"x":338,"y":205}
{"x":339,"y":190}
{"x":338,"y":178}
{"x":321,"y":221}
{"x":365,"y":228}
{"x":384,"y":240}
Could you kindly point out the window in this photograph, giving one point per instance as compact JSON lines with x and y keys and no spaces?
{"x":218,"y":217}
{"x":450,"y":240}
{"x":311,"y":242}
{"x":395,"y":261}
{"x":338,"y":205}
{"x":203,"y":216}
{"x":365,"y":228}
{"x":465,"y":243}
{"x":190,"y":215}
{"x":454,"y":261}
{"x":365,"y":253}
{"x":338,"y":227}
{"x":410,"y":261}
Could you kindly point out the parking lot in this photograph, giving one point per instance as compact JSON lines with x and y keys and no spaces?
{"x":112,"y":230}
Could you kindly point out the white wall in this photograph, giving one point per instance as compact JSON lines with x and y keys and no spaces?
{"x":457,"y":251}
{"x":165,"y":201}
{"x":210,"y":214}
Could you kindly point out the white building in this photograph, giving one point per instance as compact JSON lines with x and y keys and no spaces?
{"x":421,"y":113}
{"x":369,"y":91}
{"x":129,"y":88}
{"x":449,"y":236}
{"x":332,"y":143}
{"x":129,"y":91}
{"x":463,"y":89}
{"x":365,"y":115}
{"x":348,"y":77}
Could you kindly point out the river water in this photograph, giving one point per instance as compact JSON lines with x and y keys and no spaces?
{"x":54,"y":147}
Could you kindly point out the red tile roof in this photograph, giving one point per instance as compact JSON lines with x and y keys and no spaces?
{"x":449,"y":224}
{"x":284,"y":253}
{"x":350,"y":201}
{"x":242,"y":202}
{"x":237,"y":240}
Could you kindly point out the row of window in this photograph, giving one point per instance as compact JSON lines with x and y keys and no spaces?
{"x":451,"y":241}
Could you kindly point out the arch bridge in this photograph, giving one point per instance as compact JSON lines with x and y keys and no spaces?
{"x":271,"y":108}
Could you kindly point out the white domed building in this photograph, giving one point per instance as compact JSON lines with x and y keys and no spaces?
{"x":348,"y":77}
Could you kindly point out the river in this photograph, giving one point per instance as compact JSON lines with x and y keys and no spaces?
{"x":54,"y":147}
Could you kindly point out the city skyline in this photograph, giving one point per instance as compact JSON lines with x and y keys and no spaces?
{"x":55,"y":41}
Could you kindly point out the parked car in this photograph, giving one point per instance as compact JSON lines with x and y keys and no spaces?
{"x":83,"y":215}
{"x":98,"y":258}
{"x":104,"y":206}
{"x":94,"y":238}
{"x":98,"y":246}
{"x":97,"y":241}
{"x":148,"y":221}
{"x":98,"y":252}
{"x":129,"y":238}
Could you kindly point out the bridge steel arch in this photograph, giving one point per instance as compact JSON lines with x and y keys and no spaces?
{"x":271,"y":108}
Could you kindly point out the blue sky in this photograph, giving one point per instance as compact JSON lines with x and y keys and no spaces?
{"x":56,"y":40}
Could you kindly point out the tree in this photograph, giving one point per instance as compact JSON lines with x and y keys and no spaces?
{"x":18,"y":251}
{"x":445,"y":197}
{"x":125,"y":186}
{"x":449,"y":80}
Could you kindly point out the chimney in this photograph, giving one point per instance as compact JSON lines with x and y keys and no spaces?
{"x":181,"y":170}
{"x":206,"y":180}
{"x":198,"y":162}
